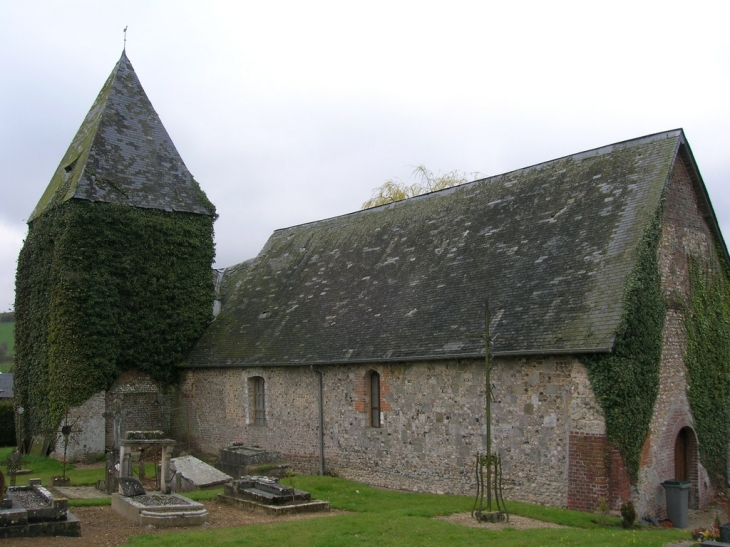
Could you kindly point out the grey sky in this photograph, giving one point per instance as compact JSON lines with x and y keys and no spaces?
{"x":288,"y":112}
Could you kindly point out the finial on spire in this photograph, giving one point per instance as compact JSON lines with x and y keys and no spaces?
{"x":125,"y":38}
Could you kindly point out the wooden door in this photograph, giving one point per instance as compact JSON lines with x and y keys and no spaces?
{"x":680,"y":456}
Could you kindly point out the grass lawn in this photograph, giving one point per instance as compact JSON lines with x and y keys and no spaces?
{"x":6,"y":335}
{"x":46,"y":468}
{"x":389,"y":518}
{"x":378,"y":517}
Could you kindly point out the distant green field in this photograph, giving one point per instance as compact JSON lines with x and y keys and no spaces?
{"x":6,"y":335}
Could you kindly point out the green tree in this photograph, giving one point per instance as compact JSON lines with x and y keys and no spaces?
{"x":427,"y":181}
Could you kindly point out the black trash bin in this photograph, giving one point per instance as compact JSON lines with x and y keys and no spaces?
{"x":677,"y":502}
{"x":725,"y":532}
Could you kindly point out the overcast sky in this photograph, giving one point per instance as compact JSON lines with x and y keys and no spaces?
{"x":289,"y":112}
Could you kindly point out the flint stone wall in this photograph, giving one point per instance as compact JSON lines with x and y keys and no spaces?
{"x":685,"y":234}
{"x":87,"y":431}
{"x":432,"y":421}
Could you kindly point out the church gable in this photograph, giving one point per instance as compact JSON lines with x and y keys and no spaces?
{"x":550,"y":245}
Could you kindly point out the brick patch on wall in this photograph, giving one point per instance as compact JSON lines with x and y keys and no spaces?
{"x":595,"y":471}
{"x":145,"y":405}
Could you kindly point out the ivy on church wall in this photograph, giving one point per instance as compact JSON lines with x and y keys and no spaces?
{"x":626,"y":381}
{"x":707,"y":357}
{"x":102,"y":288}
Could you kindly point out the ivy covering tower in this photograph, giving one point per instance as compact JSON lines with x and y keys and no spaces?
{"x":115,"y":272}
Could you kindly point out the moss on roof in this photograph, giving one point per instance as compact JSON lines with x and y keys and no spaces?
{"x":550,"y":245}
{"x":123,"y":154}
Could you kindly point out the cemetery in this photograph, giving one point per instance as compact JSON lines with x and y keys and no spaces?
{"x":552,"y":340}
{"x":147,"y":483}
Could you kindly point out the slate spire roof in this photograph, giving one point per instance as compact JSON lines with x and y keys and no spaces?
{"x":122,"y":154}
{"x":551,"y":245}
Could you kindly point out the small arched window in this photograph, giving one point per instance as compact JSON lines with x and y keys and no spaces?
{"x":374,"y":399}
{"x":257,"y":400}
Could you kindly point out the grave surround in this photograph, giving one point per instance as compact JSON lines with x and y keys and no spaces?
{"x":32,"y":511}
{"x":267,"y":495}
{"x":156,"y":508}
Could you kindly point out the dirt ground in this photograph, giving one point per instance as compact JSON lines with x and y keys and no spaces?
{"x":102,"y":527}
{"x":515,"y":521}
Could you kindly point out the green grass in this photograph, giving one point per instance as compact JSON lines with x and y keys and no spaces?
{"x":377,"y":517}
{"x":6,"y":335}
{"x":90,"y":502}
{"x":47,"y":468}
{"x":390,"y":518}
{"x":367,"y":529}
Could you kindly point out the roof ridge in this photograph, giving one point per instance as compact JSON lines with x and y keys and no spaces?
{"x":601,"y":150}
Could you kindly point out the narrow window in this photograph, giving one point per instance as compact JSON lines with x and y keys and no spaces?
{"x":258,"y":400}
{"x":374,"y":399}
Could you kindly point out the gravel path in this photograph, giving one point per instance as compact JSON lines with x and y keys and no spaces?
{"x":515,"y":521}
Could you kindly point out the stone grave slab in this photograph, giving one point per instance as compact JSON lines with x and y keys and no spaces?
{"x":266,"y":494}
{"x":235,"y":459}
{"x":189,"y":473}
{"x":33,"y":511}
{"x":160,"y":510}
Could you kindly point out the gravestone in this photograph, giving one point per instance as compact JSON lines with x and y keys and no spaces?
{"x":117,"y":414}
{"x":131,"y":487}
{"x":112,"y":457}
{"x":39,"y":446}
{"x":111,"y":479}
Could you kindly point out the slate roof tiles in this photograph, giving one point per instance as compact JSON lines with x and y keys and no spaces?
{"x":550,"y":245}
{"x":123,"y":154}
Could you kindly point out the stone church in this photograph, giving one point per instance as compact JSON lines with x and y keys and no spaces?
{"x":351,"y":345}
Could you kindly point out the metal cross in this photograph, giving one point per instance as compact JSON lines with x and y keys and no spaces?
{"x":488,"y":394}
{"x":69,"y":432}
{"x":14,"y":463}
{"x":492,"y":461}
{"x":488,"y":369}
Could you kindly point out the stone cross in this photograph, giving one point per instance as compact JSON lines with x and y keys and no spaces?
{"x":117,"y":414}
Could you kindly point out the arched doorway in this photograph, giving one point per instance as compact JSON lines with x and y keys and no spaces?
{"x":685,"y":462}
{"x":681,"y":457}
